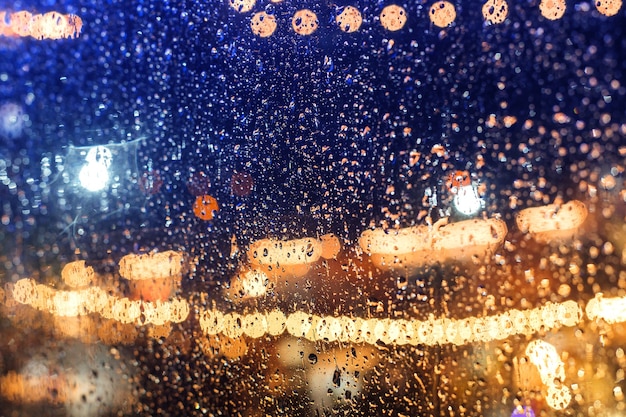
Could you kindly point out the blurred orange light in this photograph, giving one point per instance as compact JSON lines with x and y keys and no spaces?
{"x":205,"y":207}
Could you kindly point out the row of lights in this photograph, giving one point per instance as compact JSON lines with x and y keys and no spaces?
{"x":393,"y":17}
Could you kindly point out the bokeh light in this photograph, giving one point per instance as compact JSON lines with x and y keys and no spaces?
{"x":205,"y":207}
{"x":51,"y":25}
{"x":442,"y":13}
{"x":393,"y":17}
{"x":251,"y":208}
{"x":349,"y":19}
{"x":263,"y":24}
{"x":304,"y":22}
{"x":12,"y":120}
{"x":495,"y":11}
{"x":552,"y":9}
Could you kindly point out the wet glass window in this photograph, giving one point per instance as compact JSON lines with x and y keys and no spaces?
{"x":352,"y":208}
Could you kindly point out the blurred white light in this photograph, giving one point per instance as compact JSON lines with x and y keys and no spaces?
{"x":467,"y":201}
{"x":94,"y":175}
{"x":100,"y":155}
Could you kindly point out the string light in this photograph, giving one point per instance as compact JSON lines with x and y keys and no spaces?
{"x":429,"y":332}
{"x":96,"y":300}
{"x":223,"y":330}
{"x":51,"y":25}
{"x":418,"y":245}
{"x":291,"y":257}
{"x":553,"y":221}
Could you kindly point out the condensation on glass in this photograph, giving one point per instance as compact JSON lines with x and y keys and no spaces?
{"x":263,"y":208}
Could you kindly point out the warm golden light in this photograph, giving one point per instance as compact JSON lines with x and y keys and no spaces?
{"x":553,"y":221}
{"x":552,"y":371}
{"x":227,"y":333}
{"x":393,"y":17}
{"x":242,"y":6}
{"x":304,"y":22}
{"x":349,"y":20}
{"x":77,"y":275}
{"x":429,"y":332}
{"x":153,"y":276}
{"x":611,"y":310}
{"x":95,"y":300}
{"x":291,"y":257}
{"x":442,"y":13}
{"x":495,"y":12}
{"x":419,"y":245}
{"x":151,"y":265}
{"x":608,"y":7}
{"x":434,"y":331}
{"x":32,"y":389}
{"x":51,"y":25}
{"x":552,"y":9}
{"x":252,"y":283}
{"x":330,"y":246}
{"x":263,"y":24}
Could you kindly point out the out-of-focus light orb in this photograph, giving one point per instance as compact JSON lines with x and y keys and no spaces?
{"x":285,"y":257}
{"x":254,"y":283}
{"x":242,"y":6}
{"x":611,"y":310}
{"x":393,"y":17}
{"x":466,"y":197}
{"x":94,"y":175}
{"x":109,"y":169}
{"x":552,"y":371}
{"x":19,"y":22}
{"x":12,"y":120}
{"x":100,"y":155}
{"x":304,"y":22}
{"x":54,"y":25}
{"x":205,"y":207}
{"x":51,"y":25}
{"x":291,"y":257}
{"x":151,"y":265}
{"x":552,"y":9}
{"x":442,"y":14}
{"x":77,"y":275}
{"x":153,"y":276}
{"x":349,"y":20}
{"x":553,"y":221}
{"x":466,"y":201}
{"x":547,"y":360}
{"x":263,"y":24}
{"x":495,"y":11}
{"x":558,"y":397}
{"x":412,"y":247}
{"x":608,"y":7}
